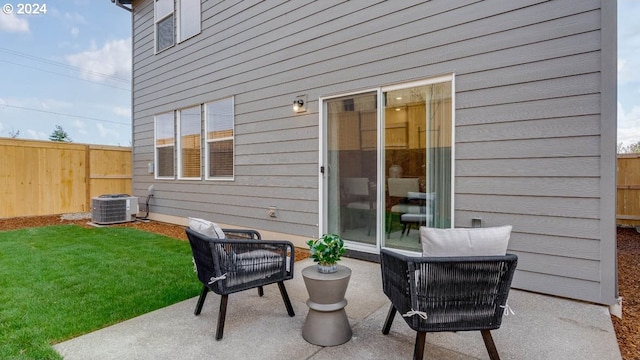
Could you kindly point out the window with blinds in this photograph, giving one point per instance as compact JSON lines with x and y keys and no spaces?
{"x":181,"y":21}
{"x":164,"y":146}
{"x":189,"y":128}
{"x":219,"y":129}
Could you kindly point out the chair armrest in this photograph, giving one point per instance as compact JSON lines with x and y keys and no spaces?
{"x":242,"y":234}
{"x":395,"y":279}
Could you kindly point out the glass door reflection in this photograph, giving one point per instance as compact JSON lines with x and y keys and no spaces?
{"x":351,"y":189}
{"x":417,"y":152}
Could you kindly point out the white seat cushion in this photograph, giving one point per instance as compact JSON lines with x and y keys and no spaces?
{"x":266,"y":259}
{"x":413,"y":217}
{"x":255,"y":265}
{"x":465,"y":242}
{"x":359,"y":205}
{"x":407,"y":208}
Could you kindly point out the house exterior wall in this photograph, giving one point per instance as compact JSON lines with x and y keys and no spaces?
{"x":534,"y":114}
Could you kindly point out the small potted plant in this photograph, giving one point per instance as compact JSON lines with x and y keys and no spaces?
{"x":327,"y":251}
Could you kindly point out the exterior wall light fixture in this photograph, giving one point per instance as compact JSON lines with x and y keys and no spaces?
{"x":300,"y":104}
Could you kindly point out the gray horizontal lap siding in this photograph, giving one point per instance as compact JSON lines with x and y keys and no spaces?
{"x":528,"y":116}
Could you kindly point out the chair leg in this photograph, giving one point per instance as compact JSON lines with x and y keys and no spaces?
{"x":418,"y":351}
{"x":260,"y":291}
{"x":221,"y":316}
{"x":387,"y":323}
{"x":491,"y":347}
{"x":404,"y":228}
{"x":203,"y":295}
{"x":285,"y":298}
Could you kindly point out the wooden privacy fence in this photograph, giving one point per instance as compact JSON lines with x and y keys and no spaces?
{"x":46,"y":177}
{"x":628,"y":192}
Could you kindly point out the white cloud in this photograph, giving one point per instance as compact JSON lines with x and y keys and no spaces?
{"x":628,"y":42}
{"x":629,"y":70}
{"x":15,"y":103}
{"x":70,"y":17}
{"x":12,"y":23}
{"x":81,"y":127}
{"x":75,"y":31}
{"x":622,"y":64}
{"x":628,"y":125}
{"x":1,"y":127}
{"x":75,"y":18}
{"x":36,"y":135}
{"x":112,"y":60}
{"x":105,"y":132}
{"x":50,"y":104}
{"x":122,"y":111}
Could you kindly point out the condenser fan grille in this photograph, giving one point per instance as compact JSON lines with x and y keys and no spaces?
{"x":108,"y":209}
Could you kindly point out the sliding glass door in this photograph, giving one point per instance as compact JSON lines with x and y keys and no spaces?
{"x":351,"y":163}
{"x":388,"y":168}
{"x":417,"y":161}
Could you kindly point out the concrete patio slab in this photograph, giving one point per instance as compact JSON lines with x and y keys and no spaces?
{"x":543,"y":327}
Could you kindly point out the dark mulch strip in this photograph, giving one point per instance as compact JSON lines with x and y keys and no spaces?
{"x":170,"y":230}
{"x":628,"y":328}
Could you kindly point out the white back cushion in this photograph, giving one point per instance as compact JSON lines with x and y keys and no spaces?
{"x":206,"y":228}
{"x":400,"y":187}
{"x":465,"y":242}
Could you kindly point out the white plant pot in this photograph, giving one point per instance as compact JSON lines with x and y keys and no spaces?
{"x":327,"y":269}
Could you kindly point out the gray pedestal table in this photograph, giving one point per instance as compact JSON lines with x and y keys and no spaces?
{"x":326,"y":323}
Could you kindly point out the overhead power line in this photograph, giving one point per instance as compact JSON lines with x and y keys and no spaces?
{"x":63,"y":65}
{"x":69,"y":76}
{"x":67,"y":115}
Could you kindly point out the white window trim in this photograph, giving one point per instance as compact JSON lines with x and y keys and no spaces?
{"x":156,"y":20}
{"x":434,"y":80}
{"x":322,"y":177}
{"x":322,"y":203}
{"x":207,"y":161}
{"x":178,"y":141}
{"x":156,"y":147}
{"x":178,"y":11}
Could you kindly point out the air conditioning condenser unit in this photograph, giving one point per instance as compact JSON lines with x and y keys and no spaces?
{"x":114,"y":208}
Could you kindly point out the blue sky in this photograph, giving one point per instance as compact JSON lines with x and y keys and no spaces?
{"x":628,"y":71}
{"x":71,"y":67}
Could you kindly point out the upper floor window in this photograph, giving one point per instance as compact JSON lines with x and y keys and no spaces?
{"x":164,"y":24}
{"x":165,"y":145}
{"x":219,"y":129}
{"x":189,"y":19}
{"x":189,"y":128}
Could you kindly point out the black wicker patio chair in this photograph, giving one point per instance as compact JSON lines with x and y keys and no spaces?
{"x":447,"y":294}
{"x":240,"y":262}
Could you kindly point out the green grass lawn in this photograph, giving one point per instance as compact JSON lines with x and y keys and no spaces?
{"x":58,"y":282}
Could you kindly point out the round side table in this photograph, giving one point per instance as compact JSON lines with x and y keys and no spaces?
{"x":326,"y":323}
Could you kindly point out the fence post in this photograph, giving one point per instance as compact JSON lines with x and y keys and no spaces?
{"x":87,"y":180}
